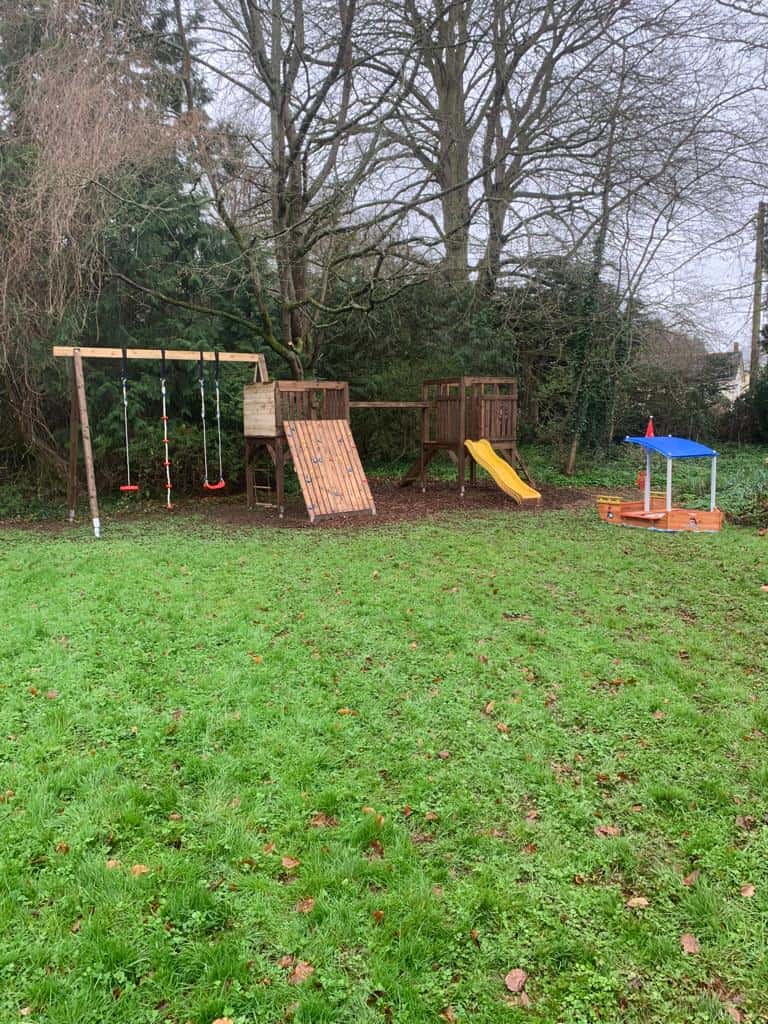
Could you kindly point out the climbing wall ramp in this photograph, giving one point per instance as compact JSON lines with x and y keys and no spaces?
{"x":328,"y":467}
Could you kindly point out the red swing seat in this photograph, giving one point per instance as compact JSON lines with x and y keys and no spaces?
{"x":129,"y":487}
{"x":215,"y":487}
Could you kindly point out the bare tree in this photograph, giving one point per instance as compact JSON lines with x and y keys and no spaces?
{"x":77,"y":118}
{"x":291,"y":151}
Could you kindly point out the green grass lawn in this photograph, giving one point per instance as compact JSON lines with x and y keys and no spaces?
{"x":412,"y":759}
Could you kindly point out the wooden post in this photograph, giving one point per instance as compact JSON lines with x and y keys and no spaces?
{"x":279,"y":460}
{"x":249,"y":489}
{"x":757,"y":297}
{"x":425,"y":414}
{"x":85,"y":430}
{"x":74,"y":431}
{"x":462,"y":451}
{"x":513,"y":417}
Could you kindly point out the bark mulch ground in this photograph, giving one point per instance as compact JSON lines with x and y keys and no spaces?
{"x":394,"y":504}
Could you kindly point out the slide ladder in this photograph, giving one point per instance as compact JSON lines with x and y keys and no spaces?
{"x":501,"y":472}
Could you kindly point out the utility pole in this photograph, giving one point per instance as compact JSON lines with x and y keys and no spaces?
{"x":757,"y":297}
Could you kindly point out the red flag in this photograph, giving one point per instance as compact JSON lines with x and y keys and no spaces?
{"x":649,"y":429}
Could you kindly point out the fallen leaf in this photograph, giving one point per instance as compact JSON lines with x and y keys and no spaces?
{"x":76,"y":926}
{"x":530,"y":848}
{"x":474,"y":934}
{"x":255,"y":658}
{"x":376,"y":848}
{"x":139,"y":869}
{"x":502,"y":727}
{"x":234,"y":803}
{"x":659,"y":715}
{"x":488,"y":709}
{"x":532,"y":815}
{"x":515,"y":980}
{"x":33,"y":691}
{"x":378,"y":916}
{"x":764,"y":587}
{"x":443,"y":754}
{"x":346,"y":711}
{"x":419,"y":838}
{"x":691,"y":879}
{"x":689,"y":943}
{"x":177,"y":714}
{"x":305,"y":906}
{"x":112,"y":864}
{"x":437,"y":890}
{"x":734,"y":1012}
{"x":431,"y":816}
{"x":286,"y":961}
{"x":300,"y":973}
{"x":745,"y":821}
{"x":448,"y":1014}
{"x":747,"y":890}
{"x":407,"y":811}
{"x":607,"y":830}
{"x":62,"y":847}
{"x":320,"y":820}
{"x":174,"y":816}
{"x":25,"y":1011}
{"x":637,"y":902}
{"x":52,"y":694}
{"x":268,"y":848}
{"x":290,"y":863}
{"x":223,"y":1020}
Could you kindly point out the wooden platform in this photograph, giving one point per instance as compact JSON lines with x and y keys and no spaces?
{"x":328,"y":466}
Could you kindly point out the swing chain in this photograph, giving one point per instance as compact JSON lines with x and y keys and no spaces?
{"x":218,"y":413}
{"x":201,"y":381}
{"x":124,"y":382}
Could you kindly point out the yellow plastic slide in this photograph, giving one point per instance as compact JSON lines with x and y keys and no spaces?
{"x":501,"y":471}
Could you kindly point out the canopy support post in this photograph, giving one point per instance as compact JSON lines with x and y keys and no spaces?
{"x":647,"y":485}
{"x":713,"y":485}
{"x":669,"y":485}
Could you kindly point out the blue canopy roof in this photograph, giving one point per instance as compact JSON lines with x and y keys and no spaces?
{"x":674,"y":447}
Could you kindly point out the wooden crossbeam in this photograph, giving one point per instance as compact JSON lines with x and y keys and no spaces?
{"x":171,"y":355}
{"x":390,"y":405}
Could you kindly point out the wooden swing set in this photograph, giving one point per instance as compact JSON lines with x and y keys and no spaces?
{"x":79,"y":424}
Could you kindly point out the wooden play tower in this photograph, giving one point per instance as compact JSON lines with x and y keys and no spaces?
{"x":459,"y":409}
